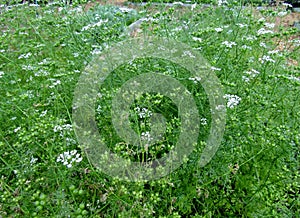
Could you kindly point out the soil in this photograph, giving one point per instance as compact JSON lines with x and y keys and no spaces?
{"x":104,"y":2}
{"x":289,"y":19}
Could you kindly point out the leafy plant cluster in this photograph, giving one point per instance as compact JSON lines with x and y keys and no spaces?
{"x":43,"y":172}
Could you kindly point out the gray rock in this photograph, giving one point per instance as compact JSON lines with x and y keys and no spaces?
{"x":297,"y":25}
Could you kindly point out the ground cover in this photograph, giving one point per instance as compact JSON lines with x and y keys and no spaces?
{"x":44,"y":171}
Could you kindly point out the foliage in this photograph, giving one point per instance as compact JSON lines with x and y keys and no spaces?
{"x":255,"y":173}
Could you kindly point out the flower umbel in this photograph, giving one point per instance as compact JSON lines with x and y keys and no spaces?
{"x":232,"y":100}
{"x":69,"y":157}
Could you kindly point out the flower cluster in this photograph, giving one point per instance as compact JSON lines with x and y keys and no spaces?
{"x":55,"y":83}
{"x":270,"y":25}
{"x":242,"y":25}
{"x":232,"y":100}
{"x":250,"y":74}
{"x":218,"y":29}
{"x":264,"y":31}
{"x":195,"y":79}
{"x":91,"y":26}
{"x":143,"y":112}
{"x":125,"y":10}
{"x":63,"y":129}
{"x":145,"y":136}
{"x":25,"y":56}
{"x":188,"y":53}
{"x":197,"y":39}
{"x":215,"y":68}
{"x":266,"y":58}
{"x":69,"y":157}
{"x":203,"y":121}
{"x":222,"y":2}
{"x":228,"y":44}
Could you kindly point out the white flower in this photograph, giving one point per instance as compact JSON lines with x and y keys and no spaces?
{"x":195,"y":79}
{"x":96,"y":52}
{"x":296,"y":42}
{"x":178,"y":3}
{"x":246,"y":47}
{"x":242,"y":25}
{"x":57,"y":128}
{"x":1,"y":74}
{"x":143,"y":113}
{"x":69,"y":157}
{"x":41,"y":72}
{"x":262,"y":44}
{"x":228,"y":44}
{"x":125,"y":10}
{"x":229,"y":31}
{"x":55,"y":83}
{"x":17,"y":129}
{"x":294,"y":78}
{"x":270,"y":25}
{"x":23,"y":33}
{"x":188,"y":53}
{"x":90,"y":26}
{"x":218,"y":29}
{"x":282,"y":13}
{"x":222,"y":2}
{"x":70,"y":141}
{"x":215,"y":69}
{"x":266,"y":58}
{"x":197,"y":39}
{"x":250,"y":38}
{"x":43,"y":113}
{"x":25,"y":56}
{"x":246,"y":79}
{"x":145,"y":136}
{"x":45,"y":61}
{"x":220,"y":107}
{"x":203,"y":121}
{"x":33,"y":5}
{"x":63,"y":128}
{"x":250,"y":75}
{"x":273,"y":52}
{"x":232,"y":100}
{"x":33,"y":160}
{"x":28,"y":67}
{"x":263,"y":31}
{"x":29,"y":79}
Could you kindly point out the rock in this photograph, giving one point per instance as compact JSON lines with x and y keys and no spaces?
{"x":297,"y":25}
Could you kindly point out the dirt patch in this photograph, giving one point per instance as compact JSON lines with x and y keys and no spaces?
{"x":288,"y":20}
{"x":104,"y":2}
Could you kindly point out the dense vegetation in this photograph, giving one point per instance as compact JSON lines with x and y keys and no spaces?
{"x":45,"y":173}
